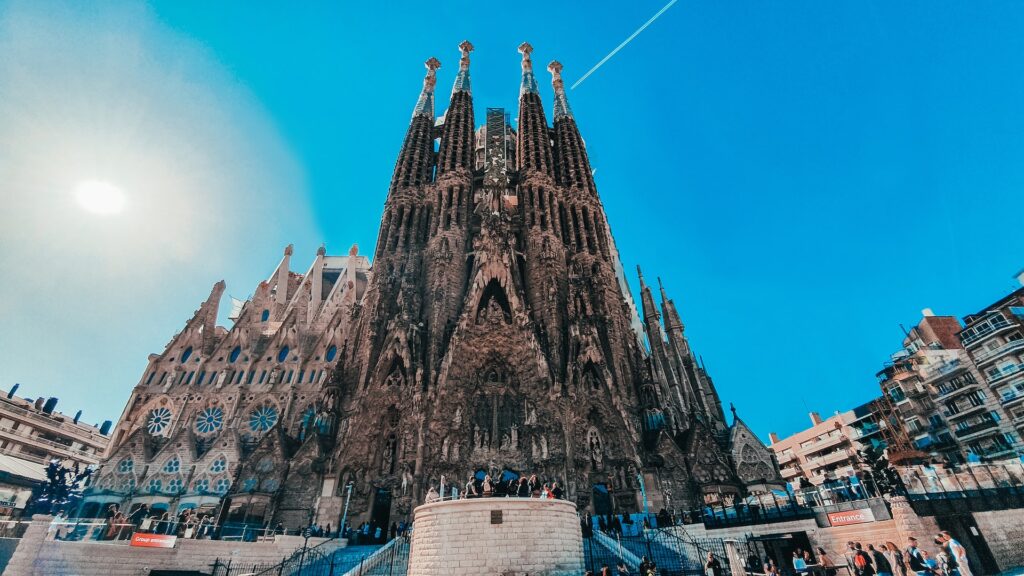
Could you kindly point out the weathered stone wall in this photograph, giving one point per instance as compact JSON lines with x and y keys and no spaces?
{"x":461,"y":537}
{"x":1004,"y":532}
{"x":38,"y":556}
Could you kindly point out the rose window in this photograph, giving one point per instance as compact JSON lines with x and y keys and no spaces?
{"x":158,"y":420}
{"x":263,"y":419}
{"x":209,"y":420}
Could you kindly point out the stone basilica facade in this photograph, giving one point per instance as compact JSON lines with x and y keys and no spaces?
{"x":494,"y":333}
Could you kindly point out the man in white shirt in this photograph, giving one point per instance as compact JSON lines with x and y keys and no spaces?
{"x":958,"y":551}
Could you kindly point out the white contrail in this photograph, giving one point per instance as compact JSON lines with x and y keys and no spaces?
{"x":621,"y":46}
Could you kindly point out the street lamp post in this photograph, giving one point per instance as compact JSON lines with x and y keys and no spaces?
{"x":344,"y":515}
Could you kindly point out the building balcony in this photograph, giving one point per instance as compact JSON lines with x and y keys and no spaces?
{"x":1010,"y":398}
{"x":784,"y":459}
{"x":867,"y":430}
{"x":963,"y":433}
{"x":56,"y":449}
{"x":1004,"y":373}
{"x":990,"y":355}
{"x":51,"y":424}
{"x":964,"y":411}
{"x":983,"y":330}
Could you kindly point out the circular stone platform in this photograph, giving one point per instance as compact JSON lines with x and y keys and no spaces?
{"x":496,"y":536}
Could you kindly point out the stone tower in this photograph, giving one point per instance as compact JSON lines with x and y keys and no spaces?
{"x":495,"y":334}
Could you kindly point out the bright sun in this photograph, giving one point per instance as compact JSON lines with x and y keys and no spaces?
{"x":100,"y":197}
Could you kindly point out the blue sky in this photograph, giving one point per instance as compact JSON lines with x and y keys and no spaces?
{"x":803,"y":175}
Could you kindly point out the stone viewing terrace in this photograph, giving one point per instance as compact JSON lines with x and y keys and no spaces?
{"x":508,"y":536}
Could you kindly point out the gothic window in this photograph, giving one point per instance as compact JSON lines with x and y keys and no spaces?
{"x":219,"y":465}
{"x":262,"y":418}
{"x":266,"y":464}
{"x":125,"y":466}
{"x":210,"y":420}
{"x":270,"y":484}
{"x":306,"y":421}
{"x":186,"y":354}
{"x":395,"y":378}
{"x":173,"y":465}
{"x":265,"y":316}
{"x":174,"y":485}
{"x":222,"y":485}
{"x":331,"y":353}
{"x":154,"y":486}
{"x":128,"y":485}
{"x":494,"y":376}
{"x":158,"y":420}
{"x":393,"y":416}
{"x":234,"y":354}
{"x":249,"y":484}
{"x":282,"y":355}
{"x":201,"y":485}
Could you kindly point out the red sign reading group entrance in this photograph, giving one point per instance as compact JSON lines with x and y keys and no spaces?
{"x":153,"y":540}
{"x":848,"y":517}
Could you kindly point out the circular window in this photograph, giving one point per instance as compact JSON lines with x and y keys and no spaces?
{"x":331,"y":353}
{"x":234,"y":353}
{"x":209,"y":420}
{"x":158,"y":420}
{"x":283,"y":354}
{"x":263,"y":418}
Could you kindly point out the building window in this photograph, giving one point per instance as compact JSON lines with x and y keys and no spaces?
{"x":209,"y":420}
{"x":265,"y":316}
{"x":174,"y":485}
{"x":331,"y":353}
{"x":173,"y":465}
{"x":186,"y":354}
{"x":249,"y":484}
{"x":219,"y":465}
{"x":234,"y":353}
{"x":222,"y":486}
{"x":263,"y":418}
{"x":158,"y":420}
{"x":125,"y":466}
{"x":154,"y":486}
{"x":282,"y":355}
{"x":202,"y":485}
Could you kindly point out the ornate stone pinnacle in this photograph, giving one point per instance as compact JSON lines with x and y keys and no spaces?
{"x":466,"y":47}
{"x":431,"y":78}
{"x":556,"y":75}
{"x":525,"y":50}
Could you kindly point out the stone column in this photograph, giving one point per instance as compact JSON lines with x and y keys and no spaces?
{"x":736,"y":564}
{"x":24,"y":558}
{"x":908,"y":523}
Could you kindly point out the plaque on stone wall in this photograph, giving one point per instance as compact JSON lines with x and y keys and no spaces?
{"x":495,"y":516}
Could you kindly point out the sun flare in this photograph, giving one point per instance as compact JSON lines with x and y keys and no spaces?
{"x":100,"y":197}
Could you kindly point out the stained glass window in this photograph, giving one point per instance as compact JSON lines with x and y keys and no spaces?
{"x":249,"y":484}
{"x":283,"y":354}
{"x":209,"y":420}
{"x":263,"y":418}
{"x":154,"y":485}
{"x":219,"y":465}
{"x":173,"y":465}
{"x":186,"y":354}
{"x":158,"y":420}
{"x":234,"y":353}
{"x":125,"y":466}
{"x":202,"y":485}
{"x":222,"y":486}
{"x":331,"y":353}
{"x":174,"y":485}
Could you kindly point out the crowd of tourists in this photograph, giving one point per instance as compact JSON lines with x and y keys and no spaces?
{"x":949,"y":558}
{"x":486,"y":487}
{"x":187,"y":524}
{"x":648,"y":567}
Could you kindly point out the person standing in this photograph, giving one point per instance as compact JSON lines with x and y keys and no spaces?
{"x":712,"y":567}
{"x":916,"y":560}
{"x":957,"y":552}
{"x":895,"y":558}
{"x":556,"y":491}
{"x":826,"y":563}
{"x":850,"y":554}
{"x":862,"y":561}
{"x":799,"y":565}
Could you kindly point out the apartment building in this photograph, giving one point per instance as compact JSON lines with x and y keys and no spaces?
{"x":825,"y":451}
{"x":33,"y":430}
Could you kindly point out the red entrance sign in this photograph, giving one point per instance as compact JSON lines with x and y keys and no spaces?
{"x":862,"y":516}
{"x":153,"y":540}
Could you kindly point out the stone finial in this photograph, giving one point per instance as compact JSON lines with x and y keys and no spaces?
{"x":556,"y":76}
{"x":431,"y":78}
{"x":466,"y":47}
{"x":354,"y":250}
{"x":322,"y":250}
{"x":289,"y":249}
{"x":525,"y":49}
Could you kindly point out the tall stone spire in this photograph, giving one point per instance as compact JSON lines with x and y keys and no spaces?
{"x":462,"y":78}
{"x":562,"y":108}
{"x":425,"y":103}
{"x":571,"y":153}
{"x":529,"y":83}
{"x":456,"y":147}
{"x":534,"y":152}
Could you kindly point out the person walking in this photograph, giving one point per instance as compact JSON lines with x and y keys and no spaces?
{"x":850,"y":554}
{"x":895,"y":558}
{"x":916,"y":559}
{"x":862,"y":562}
{"x":882,"y":566}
